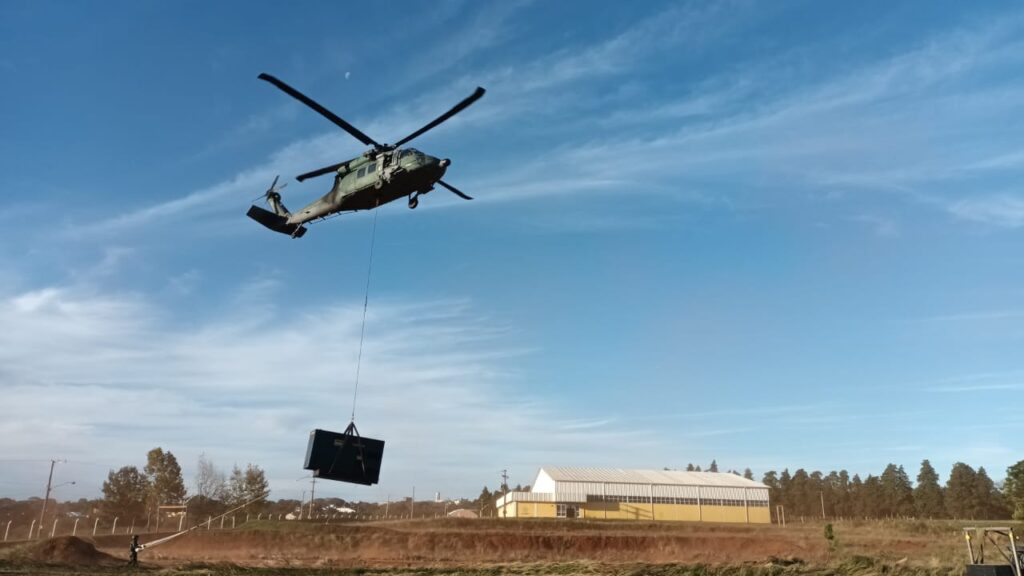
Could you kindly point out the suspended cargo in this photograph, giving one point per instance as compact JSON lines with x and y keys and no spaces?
{"x":345,"y":456}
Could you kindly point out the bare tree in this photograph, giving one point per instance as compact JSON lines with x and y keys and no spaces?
{"x":211,"y":483}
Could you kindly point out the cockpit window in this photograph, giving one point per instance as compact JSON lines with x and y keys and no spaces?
{"x":371,"y":168}
{"x":361,"y":172}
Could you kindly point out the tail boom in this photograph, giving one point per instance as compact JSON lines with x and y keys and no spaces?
{"x":276,"y":222}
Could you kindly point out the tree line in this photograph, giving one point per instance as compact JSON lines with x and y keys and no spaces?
{"x":967,"y":493}
{"x":132,"y":493}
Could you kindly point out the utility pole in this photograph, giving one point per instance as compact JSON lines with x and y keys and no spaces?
{"x":412,"y":504}
{"x":821,"y":494}
{"x":504,"y":492}
{"x":49,"y":486}
{"x":312,"y":495}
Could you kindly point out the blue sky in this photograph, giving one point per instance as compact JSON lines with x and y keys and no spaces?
{"x":776,"y":234}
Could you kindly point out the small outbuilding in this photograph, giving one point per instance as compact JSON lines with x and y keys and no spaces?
{"x":624,"y":494}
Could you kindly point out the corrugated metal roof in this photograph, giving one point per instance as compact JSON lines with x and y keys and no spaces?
{"x":541,"y":497}
{"x":664,"y":477}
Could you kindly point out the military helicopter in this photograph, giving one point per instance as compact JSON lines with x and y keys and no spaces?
{"x":384,"y":173}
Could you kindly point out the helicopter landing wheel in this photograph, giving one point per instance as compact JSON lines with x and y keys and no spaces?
{"x":413,"y":202}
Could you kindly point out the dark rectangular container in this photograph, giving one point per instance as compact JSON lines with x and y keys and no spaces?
{"x":344,"y":457}
{"x":989,"y":570}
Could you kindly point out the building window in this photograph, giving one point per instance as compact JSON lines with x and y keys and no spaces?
{"x":566,"y":511}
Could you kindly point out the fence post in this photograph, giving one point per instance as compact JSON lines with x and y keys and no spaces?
{"x":181,"y":519}
{"x":132,"y":529}
{"x":222,"y":522}
{"x":94,"y":525}
{"x":114,"y":527}
{"x":258,"y":516}
{"x":53,"y":530}
{"x":74,"y":531}
{"x":232,"y":522}
{"x":32,"y":529}
{"x":246,"y":516}
{"x":7,"y":530}
{"x":209,"y":519}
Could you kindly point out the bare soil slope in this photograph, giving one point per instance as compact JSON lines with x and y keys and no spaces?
{"x":63,"y":550}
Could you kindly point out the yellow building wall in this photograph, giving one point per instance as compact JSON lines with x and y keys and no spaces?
{"x":528,"y":510}
{"x":642,"y":511}
{"x":760,"y":515}
{"x":535,"y":509}
{"x":674,"y":512}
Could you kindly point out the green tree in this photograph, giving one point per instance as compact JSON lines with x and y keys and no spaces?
{"x":125,"y":492}
{"x":713,"y":467}
{"x":690,"y":468}
{"x":785,"y":496}
{"x":802,"y":495}
{"x":166,"y":484}
{"x":873,"y":498}
{"x":748,"y":474}
{"x":771,"y":480}
{"x":247,"y":486}
{"x":485,"y":497}
{"x":898,"y":494}
{"x":961,"y":498}
{"x":1013,"y":489}
{"x":989,"y":502}
{"x":857,"y":507}
{"x":928,"y":498}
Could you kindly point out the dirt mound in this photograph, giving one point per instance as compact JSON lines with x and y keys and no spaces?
{"x":61,"y":550}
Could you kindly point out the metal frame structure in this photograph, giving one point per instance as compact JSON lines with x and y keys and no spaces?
{"x":976,"y":552}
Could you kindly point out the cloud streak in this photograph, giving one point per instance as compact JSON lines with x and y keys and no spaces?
{"x":103,"y":377}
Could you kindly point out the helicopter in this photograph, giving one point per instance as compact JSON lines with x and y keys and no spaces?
{"x":382,"y":174}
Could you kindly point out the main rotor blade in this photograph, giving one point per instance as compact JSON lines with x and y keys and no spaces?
{"x":323,"y":111}
{"x":454,"y":190}
{"x":479,"y":92}
{"x":320,"y":172}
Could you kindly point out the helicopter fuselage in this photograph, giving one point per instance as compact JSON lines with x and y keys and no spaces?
{"x":374,"y":179}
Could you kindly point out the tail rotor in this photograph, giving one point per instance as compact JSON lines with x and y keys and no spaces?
{"x":273,"y":194}
{"x":277,"y":218}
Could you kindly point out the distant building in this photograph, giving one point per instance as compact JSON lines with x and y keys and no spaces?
{"x":615,"y":493}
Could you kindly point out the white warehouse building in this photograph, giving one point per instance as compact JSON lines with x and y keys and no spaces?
{"x":616,"y":493}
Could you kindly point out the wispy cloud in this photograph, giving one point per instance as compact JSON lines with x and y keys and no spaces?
{"x":1002,"y":210}
{"x":978,"y":316}
{"x":104,"y":377}
{"x":979,"y":382}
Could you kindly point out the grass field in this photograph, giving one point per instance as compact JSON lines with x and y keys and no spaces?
{"x":449,"y":546}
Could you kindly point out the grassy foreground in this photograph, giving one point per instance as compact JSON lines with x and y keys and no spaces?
{"x":529,"y":547}
{"x":855,"y":567}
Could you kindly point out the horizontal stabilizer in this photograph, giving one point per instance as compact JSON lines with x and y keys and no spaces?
{"x":275,"y":222}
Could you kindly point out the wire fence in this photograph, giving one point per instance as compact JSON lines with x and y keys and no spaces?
{"x":89,"y":526}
